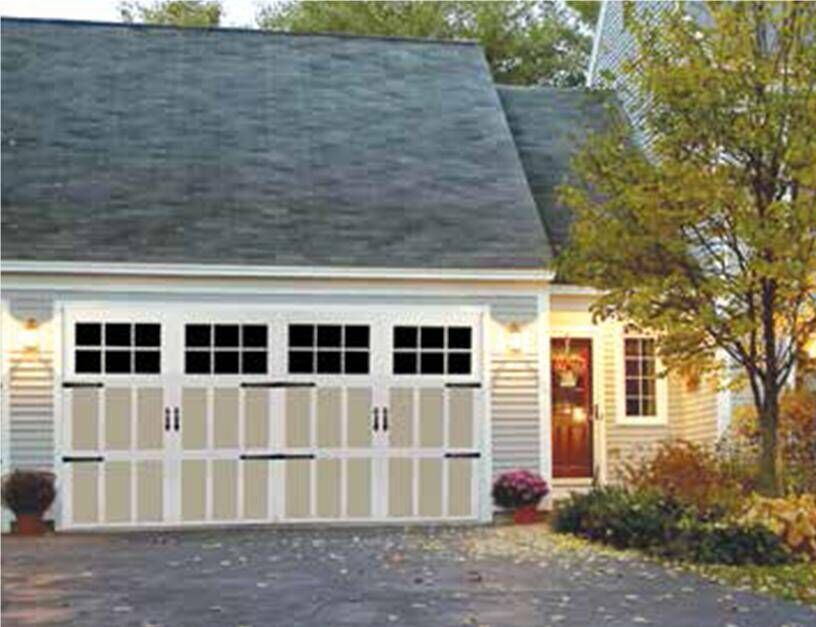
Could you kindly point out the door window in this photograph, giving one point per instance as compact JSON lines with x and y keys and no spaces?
{"x":117,"y":348}
{"x":225,"y":348}
{"x":432,"y":350}
{"x":329,"y":349}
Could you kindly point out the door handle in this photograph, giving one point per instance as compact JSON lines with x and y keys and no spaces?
{"x":167,"y":419}
{"x":385,"y":419}
{"x":376,"y":419}
{"x":176,"y":418}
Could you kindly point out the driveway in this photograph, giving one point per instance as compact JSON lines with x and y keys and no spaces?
{"x":363,"y":576}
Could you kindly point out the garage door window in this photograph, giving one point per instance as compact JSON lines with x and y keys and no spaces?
{"x":117,"y":348}
{"x":328,"y":349}
{"x":225,"y":348}
{"x":432,"y":350}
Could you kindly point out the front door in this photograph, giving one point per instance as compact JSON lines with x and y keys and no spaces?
{"x":571,"y":369}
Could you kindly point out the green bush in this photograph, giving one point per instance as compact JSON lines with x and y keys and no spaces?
{"x":659,"y":525}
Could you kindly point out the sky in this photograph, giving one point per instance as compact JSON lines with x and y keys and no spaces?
{"x":237,"y":12}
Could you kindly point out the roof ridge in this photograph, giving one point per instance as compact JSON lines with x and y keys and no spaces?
{"x":224,"y":29}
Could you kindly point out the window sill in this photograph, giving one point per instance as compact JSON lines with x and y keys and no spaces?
{"x":642,"y":421}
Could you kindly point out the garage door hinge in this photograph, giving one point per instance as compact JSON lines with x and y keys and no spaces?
{"x":474,"y":384}
{"x":83,"y":384}
{"x":83,"y":458}
{"x":264,"y":456}
{"x":468,"y":455}
{"x":278,"y":384}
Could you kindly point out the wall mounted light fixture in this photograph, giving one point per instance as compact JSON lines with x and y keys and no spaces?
{"x":30,"y":336}
{"x":514,"y":338}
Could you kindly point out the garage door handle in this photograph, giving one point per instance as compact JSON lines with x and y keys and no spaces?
{"x":176,"y":418}
{"x":167,"y":419}
{"x":385,"y":419}
{"x":376,"y":419}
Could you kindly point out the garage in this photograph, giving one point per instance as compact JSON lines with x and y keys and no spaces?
{"x":174,"y":415}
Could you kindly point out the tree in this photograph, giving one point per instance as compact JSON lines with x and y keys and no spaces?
{"x":173,"y":12}
{"x":587,"y":10}
{"x":525,"y":41}
{"x":706,"y":233}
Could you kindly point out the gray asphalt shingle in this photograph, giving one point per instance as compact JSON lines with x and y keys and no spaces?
{"x":154,"y":144}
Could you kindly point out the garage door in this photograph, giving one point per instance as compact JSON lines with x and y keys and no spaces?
{"x":231,"y":415}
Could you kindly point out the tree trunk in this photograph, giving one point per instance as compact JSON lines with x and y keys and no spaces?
{"x":769,"y":475}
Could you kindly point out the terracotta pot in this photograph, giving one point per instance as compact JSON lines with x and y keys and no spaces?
{"x":525,"y":515}
{"x":30,"y":525}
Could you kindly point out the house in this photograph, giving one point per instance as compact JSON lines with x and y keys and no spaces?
{"x":261,"y":277}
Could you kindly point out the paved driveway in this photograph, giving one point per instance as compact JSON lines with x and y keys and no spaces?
{"x":356,"y":577}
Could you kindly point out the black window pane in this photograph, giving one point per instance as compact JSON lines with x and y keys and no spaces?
{"x":226,"y":362}
{"x":88,"y":361}
{"x":117,"y":362}
{"x":197,"y":362}
{"x":432,"y":363}
{"x":459,"y":337}
{"x":148,"y":334}
{"x":458,"y":363}
{"x":632,"y":387}
{"x":88,"y":334}
{"x":405,"y":337}
{"x":648,"y":406}
{"x":147,"y":362}
{"x":226,"y":335}
{"x":253,"y":362}
{"x":328,"y":335}
{"x":632,"y":367}
{"x":648,"y":386}
{"x":632,"y":347}
{"x":433,"y":337}
{"x":405,"y":363}
{"x":648,"y":367}
{"x":357,"y":362}
{"x":632,"y":407}
{"x":357,"y":337}
{"x":648,"y":348}
{"x":117,"y":334}
{"x":197,"y":335}
{"x":254,"y":335}
{"x":301,"y":362}
{"x":301,"y":335}
{"x":328,"y":362}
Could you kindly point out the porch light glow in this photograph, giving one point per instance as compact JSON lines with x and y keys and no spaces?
{"x":30,"y":336}
{"x":514,"y":339}
{"x":579,"y":414}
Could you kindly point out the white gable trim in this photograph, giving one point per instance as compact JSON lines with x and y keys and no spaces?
{"x":283,"y":272}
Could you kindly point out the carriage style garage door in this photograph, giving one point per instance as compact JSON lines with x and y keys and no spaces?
{"x":224,"y":415}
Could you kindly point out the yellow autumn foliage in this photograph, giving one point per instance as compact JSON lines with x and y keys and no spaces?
{"x":793,"y":519}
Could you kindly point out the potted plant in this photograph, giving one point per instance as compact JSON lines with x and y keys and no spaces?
{"x":567,"y":366}
{"x":521,"y":491}
{"x":29,"y":493}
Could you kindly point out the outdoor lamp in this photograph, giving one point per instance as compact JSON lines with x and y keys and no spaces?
{"x":30,"y":335}
{"x":514,"y":339}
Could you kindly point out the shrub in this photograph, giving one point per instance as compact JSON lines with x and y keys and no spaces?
{"x":661,"y":526}
{"x":793,"y":519}
{"x":28,"y":491}
{"x":519,"y":488}
{"x":797,"y":440}
{"x":689,"y":474}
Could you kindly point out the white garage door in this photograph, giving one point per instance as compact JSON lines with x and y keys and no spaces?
{"x":232,"y":415}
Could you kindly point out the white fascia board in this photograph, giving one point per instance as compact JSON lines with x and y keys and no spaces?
{"x":272,"y":272}
{"x":574,"y":290}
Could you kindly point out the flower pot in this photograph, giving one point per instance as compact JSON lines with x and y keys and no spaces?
{"x":30,"y":525}
{"x":525,"y":515}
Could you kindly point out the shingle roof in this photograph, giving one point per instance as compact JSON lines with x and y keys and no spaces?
{"x":154,"y":144}
{"x":549,"y":126}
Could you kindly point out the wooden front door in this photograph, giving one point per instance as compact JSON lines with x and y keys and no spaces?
{"x":572,"y":407}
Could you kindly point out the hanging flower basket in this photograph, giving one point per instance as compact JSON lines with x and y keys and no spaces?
{"x":568,"y":367}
